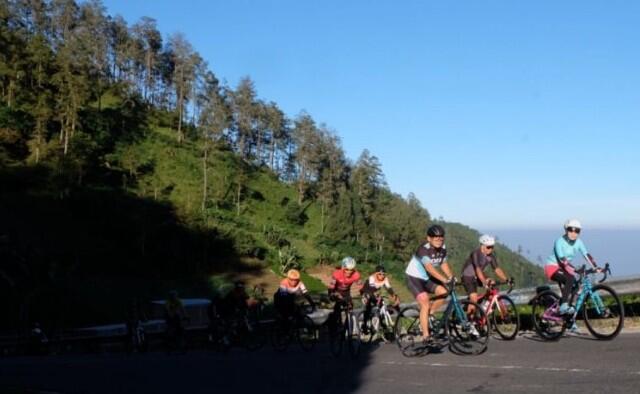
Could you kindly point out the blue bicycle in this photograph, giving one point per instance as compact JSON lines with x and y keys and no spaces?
{"x":597,"y":305}
{"x":463,"y":325}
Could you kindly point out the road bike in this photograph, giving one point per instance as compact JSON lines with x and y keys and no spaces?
{"x":463,"y":324}
{"x":380,"y":322}
{"x":597,"y":305}
{"x":343,"y":329}
{"x":241,"y":328}
{"x":299,"y":326}
{"x":501,"y":310}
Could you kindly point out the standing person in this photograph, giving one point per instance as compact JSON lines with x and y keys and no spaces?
{"x":175,"y":314}
{"x":473,"y":269}
{"x":558,"y":267}
{"x":423,"y":277}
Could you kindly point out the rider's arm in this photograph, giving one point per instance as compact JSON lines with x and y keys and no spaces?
{"x":433,"y":272}
{"x":500,"y":273}
{"x":586,"y":254}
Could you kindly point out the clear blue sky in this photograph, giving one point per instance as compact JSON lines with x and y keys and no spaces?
{"x":496,"y":114}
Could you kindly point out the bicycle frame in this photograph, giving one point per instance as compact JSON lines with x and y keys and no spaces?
{"x":584,"y":289}
{"x":492,"y":295}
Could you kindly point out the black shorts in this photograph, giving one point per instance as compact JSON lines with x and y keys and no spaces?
{"x":471,"y":284}
{"x":417,"y":285}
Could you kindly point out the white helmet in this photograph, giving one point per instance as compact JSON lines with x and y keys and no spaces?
{"x":487,"y":240}
{"x":348,"y":263}
{"x":572,"y":223}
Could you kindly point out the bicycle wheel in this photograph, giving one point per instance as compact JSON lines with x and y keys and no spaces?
{"x":336,"y":334}
{"x":254,"y":335}
{"x":467,"y":334}
{"x":386,"y":327}
{"x":281,"y":335}
{"x":353,"y":335}
{"x":368,"y":332}
{"x":408,"y":333}
{"x":307,"y":333}
{"x":603,"y":313}
{"x":546,"y":322}
{"x":505,"y":318}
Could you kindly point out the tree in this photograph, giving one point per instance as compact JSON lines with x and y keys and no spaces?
{"x":185,"y":61}
{"x":215,"y":117}
{"x":243,"y":103}
{"x":149,"y":45}
{"x":306,"y":142}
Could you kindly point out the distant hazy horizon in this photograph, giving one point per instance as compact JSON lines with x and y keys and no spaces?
{"x":615,"y":246}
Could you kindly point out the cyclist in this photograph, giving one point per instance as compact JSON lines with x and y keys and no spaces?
{"x":558,"y":267}
{"x":371,"y":290}
{"x":473,"y":269}
{"x":423,"y":277}
{"x":235,"y":302}
{"x":341,"y":281}
{"x":290,"y":288}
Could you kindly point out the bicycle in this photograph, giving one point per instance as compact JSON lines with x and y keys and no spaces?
{"x":380,"y":322}
{"x":344,"y":328}
{"x":602,"y":310}
{"x":136,"y":337}
{"x":466,"y":334}
{"x":240,"y":329}
{"x":501,"y":310}
{"x":298,"y":325}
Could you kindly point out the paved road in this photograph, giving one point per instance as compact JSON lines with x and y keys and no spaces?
{"x":576,"y":364}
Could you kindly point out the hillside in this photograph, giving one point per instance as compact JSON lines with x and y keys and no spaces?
{"x":128,"y":169}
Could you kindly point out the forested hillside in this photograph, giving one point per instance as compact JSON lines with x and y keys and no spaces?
{"x":127,"y":168}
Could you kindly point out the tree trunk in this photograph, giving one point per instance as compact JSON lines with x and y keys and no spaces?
{"x":204,"y":181}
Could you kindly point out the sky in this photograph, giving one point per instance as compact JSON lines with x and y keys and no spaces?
{"x":495,"y":114}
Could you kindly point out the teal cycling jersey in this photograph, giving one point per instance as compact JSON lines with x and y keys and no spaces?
{"x":564,"y":249}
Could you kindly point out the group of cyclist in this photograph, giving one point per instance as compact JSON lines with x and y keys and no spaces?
{"x":428,"y":275}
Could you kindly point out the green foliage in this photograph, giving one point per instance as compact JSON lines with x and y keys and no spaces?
{"x":141,"y":166}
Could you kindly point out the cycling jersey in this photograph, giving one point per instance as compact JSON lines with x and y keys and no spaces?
{"x":564,"y":249}
{"x":425,"y":254}
{"x":285,"y":287}
{"x":341,"y":283}
{"x":479,"y":260}
{"x":372,"y":285}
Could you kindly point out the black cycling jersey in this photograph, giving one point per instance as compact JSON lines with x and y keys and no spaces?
{"x":480,"y":260}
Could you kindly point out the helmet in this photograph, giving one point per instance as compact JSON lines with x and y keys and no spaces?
{"x":572,"y":223}
{"x":348,"y":263}
{"x":435,"y":230}
{"x":293,"y":274}
{"x":380,"y":268}
{"x":487,"y":240}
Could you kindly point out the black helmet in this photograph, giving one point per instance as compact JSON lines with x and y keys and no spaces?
{"x":380,"y":268}
{"x":435,"y":231}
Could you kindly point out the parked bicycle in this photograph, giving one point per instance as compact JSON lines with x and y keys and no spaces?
{"x":380,"y":323}
{"x":298,"y":326}
{"x":501,"y":310}
{"x":343,"y":328}
{"x":465,"y":328}
{"x":597,"y":305}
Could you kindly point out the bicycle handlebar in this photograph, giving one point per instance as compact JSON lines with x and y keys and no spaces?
{"x":583,"y":271}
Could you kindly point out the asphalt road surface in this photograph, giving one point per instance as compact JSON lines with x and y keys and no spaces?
{"x":575,"y":364}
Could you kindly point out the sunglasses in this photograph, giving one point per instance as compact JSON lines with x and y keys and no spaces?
{"x":489,"y":246}
{"x":573,"y":230}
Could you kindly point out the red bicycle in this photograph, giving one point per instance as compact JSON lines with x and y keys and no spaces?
{"x":501,"y":310}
